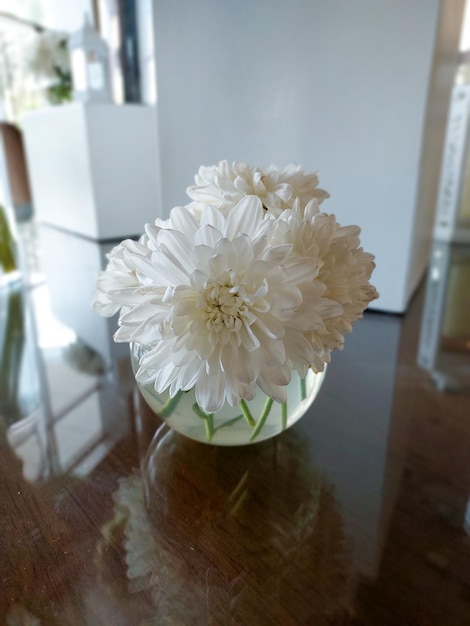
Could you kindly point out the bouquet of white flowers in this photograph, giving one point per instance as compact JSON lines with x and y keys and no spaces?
{"x":245,"y":285}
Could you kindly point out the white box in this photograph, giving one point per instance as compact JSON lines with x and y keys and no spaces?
{"x":94,"y":167}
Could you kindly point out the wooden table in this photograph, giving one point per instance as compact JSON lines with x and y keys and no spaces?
{"x":357,"y":515}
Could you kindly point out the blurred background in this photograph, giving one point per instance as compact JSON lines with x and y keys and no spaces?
{"x":109,"y":107}
{"x":359,"y":92}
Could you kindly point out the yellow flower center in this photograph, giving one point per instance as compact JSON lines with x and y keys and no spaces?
{"x":224,"y":308}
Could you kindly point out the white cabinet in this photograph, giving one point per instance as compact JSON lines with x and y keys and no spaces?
{"x":94,"y":168}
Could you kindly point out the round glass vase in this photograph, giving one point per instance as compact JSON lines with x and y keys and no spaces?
{"x":250,"y":422}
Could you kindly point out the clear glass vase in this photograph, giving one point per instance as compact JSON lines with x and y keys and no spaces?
{"x":250,"y":422}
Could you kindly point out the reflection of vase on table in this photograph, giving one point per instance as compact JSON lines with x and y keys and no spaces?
{"x":233,"y":535}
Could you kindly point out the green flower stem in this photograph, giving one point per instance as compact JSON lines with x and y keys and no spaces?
{"x":170,"y":405}
{"x":303,"y":389}
{"x":263,"y":417}
{"x":284,"y":415}
{"x":199,"y":412}
{"x":247,"y":413}
{"x":208,"y":420}
{"x":209,"y":424}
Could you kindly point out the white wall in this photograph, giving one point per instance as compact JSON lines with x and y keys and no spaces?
{"x":336,"y":86}
{"x":64,"y":14}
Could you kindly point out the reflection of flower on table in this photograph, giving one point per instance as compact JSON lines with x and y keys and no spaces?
{"x":247,"y":534}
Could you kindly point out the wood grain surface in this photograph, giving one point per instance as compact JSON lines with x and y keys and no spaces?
{"x":358,"y":515}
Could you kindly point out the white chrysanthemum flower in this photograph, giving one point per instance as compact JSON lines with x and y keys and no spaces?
{"x":220,"y":308}
{"x":117,"y":285}
{"x":224,"y":185}
{"x":344,"y":268}
{"x":234,"y":291}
